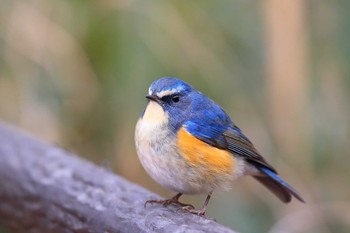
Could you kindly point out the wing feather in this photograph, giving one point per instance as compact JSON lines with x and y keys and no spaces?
{"x":239,"y":144}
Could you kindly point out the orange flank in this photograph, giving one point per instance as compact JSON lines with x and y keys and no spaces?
{"x":210,"y":160}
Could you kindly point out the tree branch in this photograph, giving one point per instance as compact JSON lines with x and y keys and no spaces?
{"x":46,"y":189}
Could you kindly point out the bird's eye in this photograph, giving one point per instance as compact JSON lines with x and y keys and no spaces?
{"x":175,"y":98}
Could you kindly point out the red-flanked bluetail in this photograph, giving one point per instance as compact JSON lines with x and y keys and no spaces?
{"x":189,"y":145}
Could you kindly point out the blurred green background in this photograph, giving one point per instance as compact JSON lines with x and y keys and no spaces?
{"x":75,"y":73}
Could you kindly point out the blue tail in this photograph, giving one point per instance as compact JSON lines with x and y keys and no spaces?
{"x":275,"y":184}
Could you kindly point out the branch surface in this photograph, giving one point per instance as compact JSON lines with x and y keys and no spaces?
{"x":47,"y":189}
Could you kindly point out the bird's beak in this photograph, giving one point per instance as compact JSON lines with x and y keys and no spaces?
{"x":153,"y":98}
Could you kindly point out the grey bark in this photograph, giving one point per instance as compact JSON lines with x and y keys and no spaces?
{"x":47,"y":189}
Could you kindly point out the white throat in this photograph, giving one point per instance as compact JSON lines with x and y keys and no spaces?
{"x":154,"y":113}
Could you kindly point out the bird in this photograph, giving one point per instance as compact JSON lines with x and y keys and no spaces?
{"x":189,"y":145}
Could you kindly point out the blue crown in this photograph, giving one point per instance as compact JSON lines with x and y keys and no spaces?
{"x":169,"y":84}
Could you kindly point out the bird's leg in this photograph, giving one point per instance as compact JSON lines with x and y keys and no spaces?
{"x":200,"y":212}
{"x":173,"y":200}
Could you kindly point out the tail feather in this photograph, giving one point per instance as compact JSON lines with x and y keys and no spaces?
{"x":276,"y":185}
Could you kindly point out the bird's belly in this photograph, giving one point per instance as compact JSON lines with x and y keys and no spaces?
{"x":158,"y":152}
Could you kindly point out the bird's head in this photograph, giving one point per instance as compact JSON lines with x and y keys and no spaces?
{"x":170,"y":98}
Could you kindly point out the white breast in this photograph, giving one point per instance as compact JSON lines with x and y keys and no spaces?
{"x":155,"y":145}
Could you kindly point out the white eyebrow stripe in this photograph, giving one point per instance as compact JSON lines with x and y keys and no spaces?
{"x":168,"y":92}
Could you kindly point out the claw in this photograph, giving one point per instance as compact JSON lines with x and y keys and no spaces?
{"x":185,"y":207}
{"x":200,"y":212}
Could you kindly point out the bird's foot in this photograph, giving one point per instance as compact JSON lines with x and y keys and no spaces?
{"x":166,"y":202}
{"x":190,"y":209}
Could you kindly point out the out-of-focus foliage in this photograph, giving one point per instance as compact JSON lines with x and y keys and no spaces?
{"x":75,"y":73}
